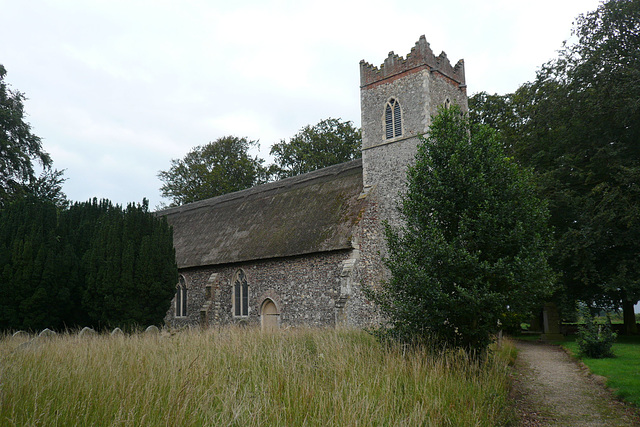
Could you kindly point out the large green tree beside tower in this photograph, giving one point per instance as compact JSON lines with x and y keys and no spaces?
{"x":578,"y":125}
{"x":474,"y":244}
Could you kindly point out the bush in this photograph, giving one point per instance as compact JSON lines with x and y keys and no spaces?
{"x":595,"y":340}
{"x":473,"y":243}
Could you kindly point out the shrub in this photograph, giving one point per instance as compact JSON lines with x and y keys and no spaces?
{"x":595,"y":340}
{"x":473,"y":243}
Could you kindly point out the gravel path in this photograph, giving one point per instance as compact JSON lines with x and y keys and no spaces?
{"x":551,"y":389}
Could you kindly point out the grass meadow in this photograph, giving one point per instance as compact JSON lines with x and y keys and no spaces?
{"x":243,"y":377}
{"x":622,"y":371}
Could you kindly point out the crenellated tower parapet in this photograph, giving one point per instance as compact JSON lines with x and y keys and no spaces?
{"x":421,"y":57}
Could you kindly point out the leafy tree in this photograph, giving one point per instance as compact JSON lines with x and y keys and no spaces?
{"x":219,"y":167}
{"x":327,"y":143}
{"x":578,"y":125}
{"x":499,"y":112}
{"x":474,"y":244}
{"x":18,"y":146}
{"x":45,"y":187}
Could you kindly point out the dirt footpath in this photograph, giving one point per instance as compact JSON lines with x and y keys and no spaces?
{"x":550,"y":389}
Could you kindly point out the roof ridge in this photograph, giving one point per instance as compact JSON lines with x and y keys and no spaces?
{"x":286,"y":183}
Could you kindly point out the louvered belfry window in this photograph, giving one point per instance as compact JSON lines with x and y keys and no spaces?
{"x":393,"y":119}
{"x":240,"y":294}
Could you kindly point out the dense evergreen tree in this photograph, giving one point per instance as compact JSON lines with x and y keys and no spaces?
{"x":33,"y":290}
{"x":474,"y":244}
{"x":91,"y":264}
{"x":131,"y":272}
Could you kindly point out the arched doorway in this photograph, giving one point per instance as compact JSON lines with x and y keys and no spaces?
{"x":269,"y":316}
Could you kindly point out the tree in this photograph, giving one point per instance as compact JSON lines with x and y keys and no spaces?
{"x":89,"y":264}
{"x":18,"y":146}
{"x":578,"y":125}
{"x":130,"y":269}
{"x":219,"y":167}
{"x":474,"y":244}
{"x":498,"y":112}
{"x":329,"y":142}
{"x":45,"y":187}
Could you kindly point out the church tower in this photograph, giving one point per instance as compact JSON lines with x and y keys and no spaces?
{"x":398,"y":100}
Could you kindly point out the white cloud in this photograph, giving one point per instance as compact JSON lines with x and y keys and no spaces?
{"x":118,"y":88}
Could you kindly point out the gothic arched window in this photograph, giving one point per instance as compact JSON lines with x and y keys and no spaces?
{"x":392,"y":119}
{"x":240,"y":294}
{"x":181,"y":297}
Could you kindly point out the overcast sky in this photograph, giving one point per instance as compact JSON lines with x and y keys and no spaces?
{"x":116,"y":89}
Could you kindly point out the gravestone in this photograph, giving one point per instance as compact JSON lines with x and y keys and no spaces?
{"x":47,"y":333}
{"x":551,"y":323}
{"x":86,"y":331}
{"x":117,"y":332}
{"x":27,"y":345}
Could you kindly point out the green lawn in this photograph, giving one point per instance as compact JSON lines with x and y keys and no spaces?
{"x":622,"y":371}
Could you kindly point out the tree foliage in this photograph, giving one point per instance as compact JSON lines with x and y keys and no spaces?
{"x":474,"y":244}
{"x":578,"y":126}
{"x":327,"y":143}
{"x":219,"y":167}
{"x":19,"y":148}
{"x":45,"y":187}
{"x":88,"y":264}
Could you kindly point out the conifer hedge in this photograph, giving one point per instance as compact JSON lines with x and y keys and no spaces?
{"x":89,"y":264}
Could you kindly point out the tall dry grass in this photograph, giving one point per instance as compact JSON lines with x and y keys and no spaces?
{"x":246,"y":378}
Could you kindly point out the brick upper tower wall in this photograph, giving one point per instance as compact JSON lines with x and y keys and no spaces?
{"x":420,"y":57}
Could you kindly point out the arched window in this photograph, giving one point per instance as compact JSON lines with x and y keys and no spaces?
{"x":392,"y":119}
{"x":181,"y":297}
{"x":240,"y":294}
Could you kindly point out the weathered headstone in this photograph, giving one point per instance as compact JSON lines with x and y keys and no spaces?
{"x":26,"y":345}
{"x":117,"y":332}
{"x":86,"y":331}
{"x":551,"y":323}
{"x":152,"y":330}
{"x":47,"y":333}
{"x":536,"y":323}
{"x":20,"y":334}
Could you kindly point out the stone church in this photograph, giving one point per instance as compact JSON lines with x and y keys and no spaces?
{"x":299,"y":251}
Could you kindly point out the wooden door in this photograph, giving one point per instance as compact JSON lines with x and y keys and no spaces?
{"x":269,"y":316}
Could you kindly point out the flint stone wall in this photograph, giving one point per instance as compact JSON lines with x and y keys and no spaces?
{"x":305,"y":290}
{"x":385,"y":161}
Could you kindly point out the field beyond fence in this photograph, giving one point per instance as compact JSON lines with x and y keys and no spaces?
{"x":247,"y":378}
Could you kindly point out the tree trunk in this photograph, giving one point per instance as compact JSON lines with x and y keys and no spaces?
{"x":629,"y":316}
